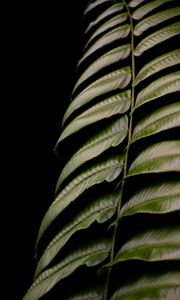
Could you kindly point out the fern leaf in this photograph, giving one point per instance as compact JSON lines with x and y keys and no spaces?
{"x":106,"y":171}
{"x":50,"y":277}
{"x":165,"y":85}
{"x":147,"y":8}
{"x":157,"y":37}
{"x":162,"y":119}
{"x":164,"y":61}
{"x":134,"y":3}
{"x":117,"y":20}
{"x":91,"y":294}
{"x":156,"y":19}
{"x":115,"y":8}
{"x":153,"y":245}
{"x":115,"y":34}
{"x":117,"y":104}
{"x":109,"y":137}
{"x":118,"y":79}
{"x":100,"y":210}
{"x":155,"y":287}
{"x":105,"y":60}
{"x":156,"y":199}
{"x":94,"y":4}
{"x":160,"y":157}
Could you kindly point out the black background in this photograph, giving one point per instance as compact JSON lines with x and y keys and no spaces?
{"x":42,"y":43}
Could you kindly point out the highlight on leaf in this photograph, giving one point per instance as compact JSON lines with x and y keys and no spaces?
{"x":156,"y":19}
{"x":105,"y":60}
{"x":134,"y":3}
{"x":153,"y":245}
{"x":111,"y":136}
{"x":120,"y":18}
{"x":94,"y":4}
{"x":50,"y":277}
{"x":118,"y":79}
{"x":164,"y":118}
{"x":158,"y":158}
{"x":91,"y":294}
{"x":119,"y":32}
{"x":157,"y":37}
{"x":142,"y":11}
{"x":115,"y":8}
{"x":160,"y":198}
{"x":163,"y":86}
{"x":99,"y":210}
{"x":106,"y":171}
{"x":116,"y":104}
{"x":153,"y":286}
{"x":158,"y":64}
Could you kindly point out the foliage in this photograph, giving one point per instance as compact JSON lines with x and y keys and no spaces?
{"x":112,"y":231}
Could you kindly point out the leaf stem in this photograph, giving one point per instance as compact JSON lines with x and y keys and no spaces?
{"x":125,"y":169}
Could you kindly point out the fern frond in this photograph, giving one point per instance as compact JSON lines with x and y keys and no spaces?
{"x":100,"y":210}
{"x":134,"y":3}
{"x":111,"y":136}
{"x":156,"y":19}
{"x":160,"y":157}
{"x":157,"y":37}
{"x":158,"y":64}
{"x":163,"y":86}
{"x":91,"y":294}
{"x":89,"y":256}
{"x":105,"y":60}
{"x":119,"y":32}
{"x":147,"y":8}
{"x":129,"y":76}
{"x":117,"y":20}
{"x":151,"y":245}
{"x":162,"y":119}
{"x":106,"y":171}
{"x":93,"y":5}
{"x":118,"y":79}
{"x":155,"y":287}
{"x":115,"y":8}
{"x":157,"y":199}
{"x":117,"y":104}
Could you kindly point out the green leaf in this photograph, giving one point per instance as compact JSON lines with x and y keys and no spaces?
{"x":91,"y":294}
{"x":152,"y":245}
{"x":157,"y":158}
{"x":120,"y":18}
{"x":157,"y":37}
{"x":118,"y":79}
{"x":93,"y":5}
{"x":162,"y":119}
{"x":100,"y":210}
{"x":165,"y":85}
{"x":156,"y":19}
{"x":147,"y":8}
{"x":105,"y":60}
{"x":111,"y":136}
{"x":116,"y":104}
{"x":50,"y":277}
{"x":158,"y":64}
{"x":155,"y":287}
{"x":115,"y":34}
{"x":106,"y":171}
{"x":96,"y":260}
{"x":134,"y":3}
{"x":157,"y":199}
{"x":115,"y":8}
